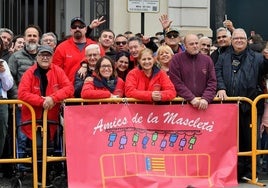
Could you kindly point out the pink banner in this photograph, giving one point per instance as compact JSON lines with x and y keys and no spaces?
{"x":139,"y":145}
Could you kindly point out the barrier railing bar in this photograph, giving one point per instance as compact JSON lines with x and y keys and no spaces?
{"x":253,"y":153}
{"x":32,"y":159}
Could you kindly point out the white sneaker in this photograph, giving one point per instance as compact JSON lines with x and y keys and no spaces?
{"x":248,"y":179}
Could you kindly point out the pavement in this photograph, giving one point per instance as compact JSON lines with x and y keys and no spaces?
{"x":27,"y":182}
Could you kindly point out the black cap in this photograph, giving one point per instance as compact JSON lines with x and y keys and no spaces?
{"x":45,"y":48}
{"x":77,"y":19}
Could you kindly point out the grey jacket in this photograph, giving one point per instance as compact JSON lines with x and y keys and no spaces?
{"x":18,"y":63}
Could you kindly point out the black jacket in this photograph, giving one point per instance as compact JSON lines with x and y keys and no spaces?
{"x":246,"y":81}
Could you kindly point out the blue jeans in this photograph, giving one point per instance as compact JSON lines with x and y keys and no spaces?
{"x":3,"y":126}
{"x":21,"y":140}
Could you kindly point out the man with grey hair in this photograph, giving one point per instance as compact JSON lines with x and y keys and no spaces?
{"x":205,"y":45}
{"x":223,"y":37}
{"x":6,"y":36}
{"x":92,"y":55}
{"x":239,"y":71}
{"x":6,"y":82}
{"x":19,"y":62}
{"x":49,"y":39}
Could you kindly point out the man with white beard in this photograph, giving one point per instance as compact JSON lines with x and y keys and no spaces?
{"x":18,"y":63}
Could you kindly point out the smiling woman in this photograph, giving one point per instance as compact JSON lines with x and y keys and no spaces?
{"x":104,"y":82}
{"x":147,"y":82}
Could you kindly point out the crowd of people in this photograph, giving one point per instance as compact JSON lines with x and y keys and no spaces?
{"x":40,"y":70}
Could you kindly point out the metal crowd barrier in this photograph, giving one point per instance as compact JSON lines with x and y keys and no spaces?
{"x":78,"y":101}
{"x":254,"y":150}
{"x":177,"y":100}
{"x":45,"y":158}
{"x":32,"y":159}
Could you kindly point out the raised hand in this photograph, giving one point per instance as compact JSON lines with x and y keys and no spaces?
{"x":165,"y":22}
{"x":96,"y":22}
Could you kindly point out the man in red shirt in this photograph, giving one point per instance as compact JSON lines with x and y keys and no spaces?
{"x":71,"y":52}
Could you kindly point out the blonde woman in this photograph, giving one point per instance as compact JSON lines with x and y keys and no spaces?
{"x":164,"y":56}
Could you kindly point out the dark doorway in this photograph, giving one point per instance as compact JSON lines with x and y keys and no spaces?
{"x":16,"y":15}
{"x":244,"y":14}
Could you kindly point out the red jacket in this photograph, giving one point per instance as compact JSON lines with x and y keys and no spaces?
{"x":59,"y":87}
{"x":139,"y":86}
{"x":68,"y":56}
{"x":90,"y":91}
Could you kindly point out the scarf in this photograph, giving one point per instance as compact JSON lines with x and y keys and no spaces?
{"x":43,"y":79}
{"x":104,"y":83}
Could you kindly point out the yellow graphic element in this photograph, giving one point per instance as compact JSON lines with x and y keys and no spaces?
{"x":123,"y":165}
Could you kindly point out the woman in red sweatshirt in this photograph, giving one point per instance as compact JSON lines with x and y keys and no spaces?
{"x":104,"y":83}
{"x":147,"y":82}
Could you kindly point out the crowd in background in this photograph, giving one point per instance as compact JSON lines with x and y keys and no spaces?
{"x":40,"y":70}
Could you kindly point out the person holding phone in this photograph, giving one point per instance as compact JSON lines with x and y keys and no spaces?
{"x":6,"y":82}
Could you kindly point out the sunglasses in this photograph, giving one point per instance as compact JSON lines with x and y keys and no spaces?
{"x":121,"y":42}
{"x":174,"y":35}
{"x":77,"y":26}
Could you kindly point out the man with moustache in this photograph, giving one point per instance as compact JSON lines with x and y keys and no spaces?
{"x":223,"y":42}
{"x":19,"y":62}
{"x":71,"y":52}
{"x":6,"y":35}
{"x":239,"y":72}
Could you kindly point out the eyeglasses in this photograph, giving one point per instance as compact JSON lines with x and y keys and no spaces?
{"x":207,"y":45}
{"x":170,"y":35}
{"x":48,"y":40}
{"x":43,"y":56}
{"x":92,"y":55}
{"x":121,"y":42}
{"x":106,"y":66}
{"x":77,"y":26}
{"x":239,"y":38}
{"x":223,"y":36}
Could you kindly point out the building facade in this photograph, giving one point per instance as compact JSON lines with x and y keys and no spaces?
{"x":55,"y":15}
